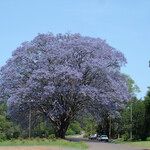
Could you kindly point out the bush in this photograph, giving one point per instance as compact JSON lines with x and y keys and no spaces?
{"x":86,"y":135}
{"x":2,"y":136}
{"x":52,"y":136}
{"x":125,"y":136}
{"x":74,"y":128}
{"x":70,"y":132}
{"x":42,"y":130}
{"x":8,"y":129}
{"x":148,"y":139}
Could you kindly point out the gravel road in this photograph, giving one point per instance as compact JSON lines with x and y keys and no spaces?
{"x":95,"y":145}
{"x":108,"y":146}
{"x":92,"y":146}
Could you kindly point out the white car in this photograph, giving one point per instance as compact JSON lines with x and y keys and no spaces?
{"x":103,"y":138}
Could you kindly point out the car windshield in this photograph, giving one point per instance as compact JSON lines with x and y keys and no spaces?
{"x":104,"y":136}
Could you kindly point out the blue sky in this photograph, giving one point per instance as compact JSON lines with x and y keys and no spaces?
{"x":124,"y":24}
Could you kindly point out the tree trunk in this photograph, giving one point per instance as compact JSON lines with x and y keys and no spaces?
{"x":61,"y":129}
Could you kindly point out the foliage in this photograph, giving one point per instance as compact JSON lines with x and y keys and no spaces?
{"x":147,"y":114}
{"x":138,"y":117}
{"x":74,"y":128}
{"x":89,"y":125}
{"x":70,"y":132}
{"x":132,"y":86}
{"x":43,"y":129}
{"x":52,"y":136}
{"x":8,"y":130}
{"x":61,"y":75}
{"x":148,"y":139}
{"x":131,"y":118}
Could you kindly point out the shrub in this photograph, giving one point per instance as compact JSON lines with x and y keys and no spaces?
{"x":148,"y":139}
{"x":86,"y":135}
{"x":125,"y":136}
{"x":70,"y":132}
{"x":52,"y":136}
{"x":2,"y":136}
{"x":74,"y":128}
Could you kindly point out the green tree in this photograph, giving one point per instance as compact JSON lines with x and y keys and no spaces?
{"x":7,"y":129}
{"x":43,"y":129}
{"x":132,"y":86}
{"x":89,"y":125}
{"x":74,"y":128}
{"x":138,"y":117}
{"x":147,"y":113}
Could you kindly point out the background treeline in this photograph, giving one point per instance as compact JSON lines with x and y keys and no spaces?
{"x":39,"y":127}
{"x":133,"y":122}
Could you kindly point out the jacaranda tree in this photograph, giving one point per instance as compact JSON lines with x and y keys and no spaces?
{"x":61,"y":75}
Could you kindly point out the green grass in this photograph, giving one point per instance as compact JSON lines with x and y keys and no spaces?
{"x":44,"y":142}
{"x":143,"y":144}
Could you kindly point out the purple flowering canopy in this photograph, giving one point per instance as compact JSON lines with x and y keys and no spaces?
{"x":62,"y":75}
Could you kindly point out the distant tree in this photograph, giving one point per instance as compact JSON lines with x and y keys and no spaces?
{"x":147,"y":113}
{"x":111,"y":122}
{"x":42,"y":129}
{"x":132,"y":86}
{"x":74,"y":128}
{"x":124,"y":123}
{"x":62,"y":75}
{"x":117,"y":122}
{"x":138,"y":117}
{"x":8,"y":129}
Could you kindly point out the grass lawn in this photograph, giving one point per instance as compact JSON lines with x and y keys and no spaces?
{"x":44,"y":142}
{"x":144,"y":144}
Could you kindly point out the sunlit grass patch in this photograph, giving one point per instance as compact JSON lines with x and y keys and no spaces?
{"x":144,"y":144}
{"x":44,"y":142}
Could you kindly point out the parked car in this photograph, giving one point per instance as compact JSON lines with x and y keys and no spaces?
{"x":103,"y":138}
{"x":93,"y":137}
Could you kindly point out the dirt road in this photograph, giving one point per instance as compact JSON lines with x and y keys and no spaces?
{"x":108,"y":146}
{"x":92,"y":146}
{"x":95,"y":145}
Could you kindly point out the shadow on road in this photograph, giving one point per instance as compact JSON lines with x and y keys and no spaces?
{"x":82,"y":140}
